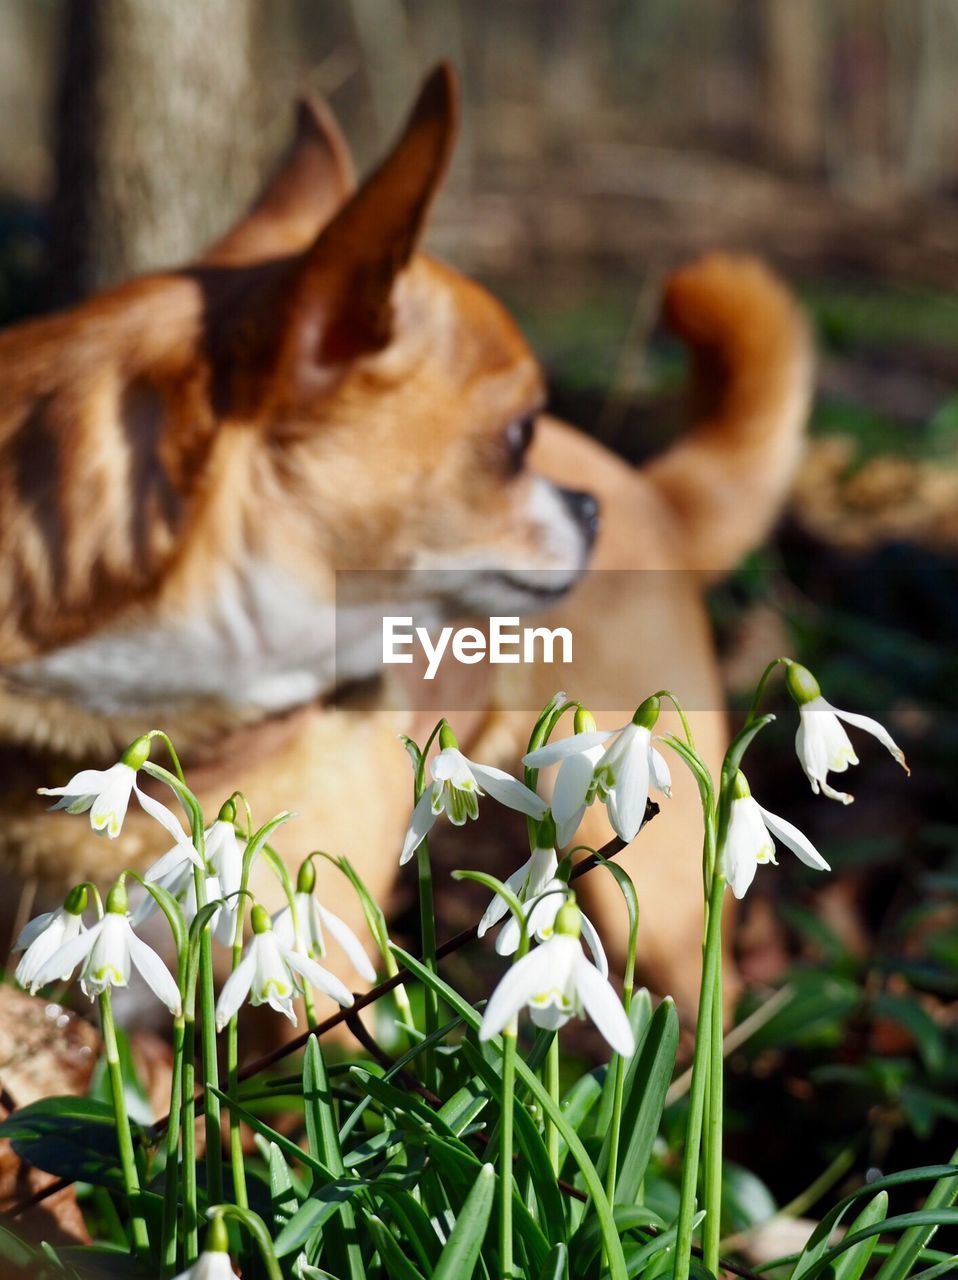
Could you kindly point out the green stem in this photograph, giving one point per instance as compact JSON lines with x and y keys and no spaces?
{"x":427,"y":924}
{"x":191,"y":1239}
{"x":552,"y":1084}
{"x":124,"y":1135}
{"x":171,"y":1203}
{"x":505,"y":1150}
{"x":211,"y":1103}
{"x":618,"y":1065}
{"x":712,"y":1227}
{"x":760,"y":687}
{"x":237,"y":1161}
{"x":700,"y":1079}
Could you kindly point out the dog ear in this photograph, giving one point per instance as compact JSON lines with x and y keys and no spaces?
{"x":311,"y":183}
{"x":340,"y":305}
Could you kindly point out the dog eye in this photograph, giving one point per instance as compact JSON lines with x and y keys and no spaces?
{"x":519,"y":436}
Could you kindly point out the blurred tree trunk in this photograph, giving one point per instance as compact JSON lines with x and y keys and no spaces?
{"x":795,"y":75}
{"x":160,"y":133}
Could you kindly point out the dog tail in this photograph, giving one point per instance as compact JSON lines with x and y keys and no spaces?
{"x":726,"y":480}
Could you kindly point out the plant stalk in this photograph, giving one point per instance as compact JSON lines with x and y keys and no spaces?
{"x":505,"y":1149}
{"x":124,"y":1135}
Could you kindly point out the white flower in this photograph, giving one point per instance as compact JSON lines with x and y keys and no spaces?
{"x":106,"y":951}
{"x":556,"y":981}
{"x":106,"y":794}
{"x":311,"y":918}
{"x":224,"y":877}
{"x":272,"y":971}
{"x":45,"y":936}
{"x":823,"y":746}
{"x":214,"y":1262}
{"x":543,"y":895}
{"x":209,"y":1266}
{"x":456,"y":787}
{"x":619,"y":776}
{"x":749,"y":840}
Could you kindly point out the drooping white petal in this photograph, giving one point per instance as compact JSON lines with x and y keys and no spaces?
{"x":498,"y":907}
{"x":592,"y":940}
{"x":353,"y":948}
{"x":88,"y":782}
{"x":154,"y":973}
{"x":109,"y":808}
{"x":525,"y":979}
{"x":319,"y":977}
{"x":564,"y":748}
{"x":630,"y":793}
{"x":166,"y":818}
{"x":603,"y":1006}
{"x":235,"y":989}
{"x":569,"y":794}
{"x":209,"y":1266}
{"x":31,"y":931}
{"x":742,"y":845}
{"x":66,"y":958}
{"x":61,"y":927}
{"x":108,"y":964}
{"x":659,"y":771}
{"x":450,"y":765}
{"x":873,"y":727}
{"x":284,"y":927}
{"x":799,"y":843}
{"x":273,"y":981}
{"x":423,"y":818}
{"x":509,"y":791}
{"x":174,"y":862}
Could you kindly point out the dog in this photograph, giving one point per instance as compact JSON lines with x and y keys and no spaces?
{"x":188,"y":460}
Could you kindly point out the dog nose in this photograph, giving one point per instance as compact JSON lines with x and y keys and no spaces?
{"x":584,"y":508}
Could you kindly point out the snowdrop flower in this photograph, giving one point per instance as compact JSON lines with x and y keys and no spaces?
{"x":272,"y":971}
{"x":311,"y":917}
{"x":224,"y":875}
{"x":749,"y":840}
{"x":214,"y":1262}
{"x":543,"y":895}
{"x":822,"y":744}
{"x":45,"y":935}
{"x":556,"y":982}
{"x":619,"y":776}
{"x":106,"y":794}
{"x":457,"y":784}
{"x":105,"y":952}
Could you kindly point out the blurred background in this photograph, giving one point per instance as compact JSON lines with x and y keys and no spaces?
{"x":603,"y":141}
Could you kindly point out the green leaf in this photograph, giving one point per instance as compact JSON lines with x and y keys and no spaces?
{"x":921,"y":1218}
{"x":557,"y":1264}
{"x":458,"y":1259}
{"x":311,"y":1216}
{"x":852,"y":1265}
{"x":817,"y":1244}
{"x":74,"y":1138}
{"x":612,"y":1244}
{"x":646,"y":1084}
{"x":286,"y":1145}
{"x":919,"y":1023}
{"x":395,"y":1263}
{"x":415,"y":1227}
{"x":282,"y":1193}
{"x":588,"y":1241}
{"x":533,"y":1150}
{"x":14,"y":1250}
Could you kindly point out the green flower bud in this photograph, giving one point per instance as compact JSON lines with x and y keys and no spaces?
{"x":306,"y":880}
{"x":584,"y":721}
{"x":447,"y":738}
{"x":740,"y":789}
{"x":802,"y":685}
{"x":259,"y":918}
{"x":569,"y":919}
{"x":546,"y":833}
{"x":75,"y":901}
{"x":217,"y":1237}
{"x":117,"y":900}
{"x":137,"y":753}
{"x":648,"y":713}
{"x":227,"y":812}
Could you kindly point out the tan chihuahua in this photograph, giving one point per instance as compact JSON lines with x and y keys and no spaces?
{"x":188,"y":460}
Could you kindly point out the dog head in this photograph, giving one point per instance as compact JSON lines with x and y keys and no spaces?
{"x":363,"y":408}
